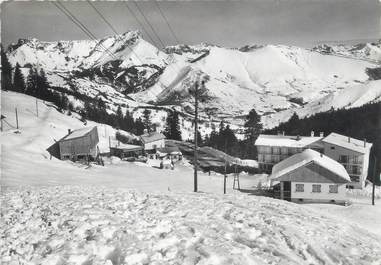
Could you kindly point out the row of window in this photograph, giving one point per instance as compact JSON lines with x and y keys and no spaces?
{"x":316,"y":188}
{"x":345,"y":159}
{"x":278,"y":150}
{"x":355,"y":170}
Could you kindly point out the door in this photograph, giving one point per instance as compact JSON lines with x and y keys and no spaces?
{"x":287,"y":190}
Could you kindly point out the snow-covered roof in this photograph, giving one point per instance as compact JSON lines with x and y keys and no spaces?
{"x":286,"y":140}
{"x":152,"y":137}
{"x":78,"y":133}
{"x":347,"y":142}
{"x":126,"y":147}
{"x":305,"y":157}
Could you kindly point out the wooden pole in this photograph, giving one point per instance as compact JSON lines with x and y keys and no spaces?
{"x":17,"y":119}
{"x":225,"y":177}
{"x":36,"y":107}
{"x":195,"y":138}
{"x":374,"y":179}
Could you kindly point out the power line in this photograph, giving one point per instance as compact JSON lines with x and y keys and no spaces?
{"x":140,"y":24}
{"x":166,"y":21}
{"x":80,"y":25}
{"x":149,"y":24}
{"x":113,"y":29}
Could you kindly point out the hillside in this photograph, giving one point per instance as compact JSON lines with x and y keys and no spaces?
{"x":56,"y":212}
{"x":276,"y":80}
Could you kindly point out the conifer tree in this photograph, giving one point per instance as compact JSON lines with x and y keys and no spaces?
{"x":6,"y":71}
{"x":172,"y":128}
{"x":147,"y":120}
{"x":31,"y":84}
{"x":18,"y":80}
{"x":42,"y":86}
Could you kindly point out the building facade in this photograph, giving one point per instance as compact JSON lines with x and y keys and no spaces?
{"x":352,"y":153}
{"x":152,"y":141}
{"x":79,"y":144}
{"x":272,"y":149}
{"x":310,"y":176}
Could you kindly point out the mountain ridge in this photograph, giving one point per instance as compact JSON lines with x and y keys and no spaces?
{"x":276,"y":80}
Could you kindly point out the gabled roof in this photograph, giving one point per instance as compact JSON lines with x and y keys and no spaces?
{"x":286,"y":140}
{"x":151,"y":137}
{"x":347,"y":142}
{"x":306,"y":157}
{"x":78,"y":133}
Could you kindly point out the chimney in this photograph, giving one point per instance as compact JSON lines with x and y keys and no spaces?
{"x":68,"y":131}
{"x":298,"y":137}
{"x":312,"y":133}
{"x":145,"y":131}
{"x":349,"y":139}
{"x":364,"y":142}
{"x":321,"y":154}
{"x":283,"y":133}
{"x":321,"y":134}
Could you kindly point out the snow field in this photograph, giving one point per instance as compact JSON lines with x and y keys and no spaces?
{"x":98,"y":225}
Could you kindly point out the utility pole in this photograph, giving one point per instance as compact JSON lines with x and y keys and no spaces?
{"x":374,"y":179}
{"x":195,"y":136}
{"x":36,"y":107}
{"x":17,"y":119}
{"x":225,"y":176}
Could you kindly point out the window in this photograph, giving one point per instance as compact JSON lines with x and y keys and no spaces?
{"x":333,"y":188}
{"x":355,"y":178}
{"x":316,"y":188}
{"x":284,"y":151}
{"x":276,"y":150}
{"x":274,"y":159}
{"x":299,"y":187}
{"x":343,"y":159}
{"x":261,"y":158}
{"x":332,"y":148}
{"x":356,"y":170}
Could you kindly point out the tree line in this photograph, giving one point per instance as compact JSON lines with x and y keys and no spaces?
{"x":360,"y":123}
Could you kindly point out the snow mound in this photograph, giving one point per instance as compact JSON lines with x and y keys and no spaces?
{"x":88,"y":225}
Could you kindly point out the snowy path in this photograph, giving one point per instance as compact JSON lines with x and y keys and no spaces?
{"x":82,"y":225}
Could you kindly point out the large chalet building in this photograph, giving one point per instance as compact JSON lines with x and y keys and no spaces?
{"x":352,"y":153}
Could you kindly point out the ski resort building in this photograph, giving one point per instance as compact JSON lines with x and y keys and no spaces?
{"x":80,"y":144}
{"x":310,"y":176}
{"x":352,"y":153}
{"x":152,"y":141}
{"x":275,"y":148}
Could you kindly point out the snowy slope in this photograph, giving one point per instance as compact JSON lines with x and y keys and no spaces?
{"x":95,"y":225}
{"x":351,"y":97}
{"x":273,"y":79}
{"x":59,"y":212}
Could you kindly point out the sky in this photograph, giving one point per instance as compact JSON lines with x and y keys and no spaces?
{"x":226,"y":23}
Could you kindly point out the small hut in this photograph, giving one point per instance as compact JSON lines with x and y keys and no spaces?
{"x":80,"y":144}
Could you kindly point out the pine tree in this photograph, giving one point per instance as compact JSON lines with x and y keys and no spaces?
{"x":31,"y":84}
{"x":42,"y":86}
{"x":253,"y":126}
{"x":18,"y":80}
{"x":147,"y":120}
{"x":6,"y":71}
{"x":172,"y":128}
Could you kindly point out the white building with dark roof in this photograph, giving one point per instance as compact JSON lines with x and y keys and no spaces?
{"x":152,"y":141}
{"x":310,"y":176}
{"x":352,"y":153}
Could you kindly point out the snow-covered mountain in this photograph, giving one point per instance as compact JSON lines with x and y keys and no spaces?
{"x":276,"y":80}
